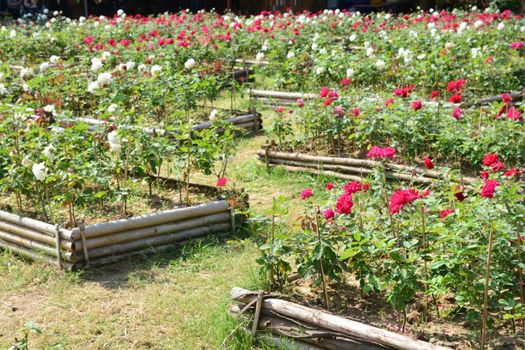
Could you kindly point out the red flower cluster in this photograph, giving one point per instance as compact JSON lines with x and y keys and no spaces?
{"x":307,"y":193}
{"x":379,"y":153}
{"x":404,"y":92}
{"x":456,"y":86}
{"x":328,"y":214}
{"x":446,"y":212}
{"x":402,"y":197}
{"x":428,"y":163}
{"x":489,"y":188}
{"x":416,"y":105}
{"x":355,"y":186}
{"x":344,"y":204}
{"x":516,"y":45}
{"x":456,"y":113}
{"x":222,"y":182}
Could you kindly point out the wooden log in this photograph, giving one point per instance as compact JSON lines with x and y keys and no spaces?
{"x":281,"y":95}
{"x":146,"y":232}
{"x":149,"y":220}
{"x":35,"y":235}
{"x":117,"y":249}
{"x":310,"y":334}
{"x":513,"y":95}
{"x":335,"y":323}
{"x":30,"y":254}
{"x":36,"y":225}
{"x":235,"y":121}
{"x":251,"y":62}
{"x":351,"y":170}
{"x":147,"y":251}
{"x":294,"y":156}
{"x":320,"y":172}
{"x":34,"y":245}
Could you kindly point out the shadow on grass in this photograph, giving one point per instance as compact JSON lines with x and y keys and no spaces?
{"x":189,"y":256}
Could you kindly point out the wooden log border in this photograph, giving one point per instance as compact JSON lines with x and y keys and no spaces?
{"x":308,"y":328}
{"x":104,"y":243}
{"x":352,"y":168}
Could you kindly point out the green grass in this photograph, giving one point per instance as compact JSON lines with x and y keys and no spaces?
{"x":175,"y":301}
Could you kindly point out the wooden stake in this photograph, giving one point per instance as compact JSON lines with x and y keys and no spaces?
{"x":486,"y":292}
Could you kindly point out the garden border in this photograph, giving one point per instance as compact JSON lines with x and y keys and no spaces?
{"x":111,"y":241}
{"x":350,"y":168}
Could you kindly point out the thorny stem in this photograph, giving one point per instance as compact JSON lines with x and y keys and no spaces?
{"x":486,"y":292}
{"x":325,"y":289}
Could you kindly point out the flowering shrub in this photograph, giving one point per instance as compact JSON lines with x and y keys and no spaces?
{"x":407,"y":244}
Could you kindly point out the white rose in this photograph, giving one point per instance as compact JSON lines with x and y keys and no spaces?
{"x":54,"y":59}
{"x":213,"y":115}
{"x":319,"y":70}
{"x":380,"y":64}
{"x":114,"y":141}
{"x":349,"y":72}
{"x":49,"y":108}
{"x":353,"y":37}
{"x":130,"y":65}
{"x":40,"y":171}
{"x":25,"y":72}
{"x":104,"y":78}
{"x":26,"y":161}
{"x":369,"y":51}
{"x":12,"y":34}
{"x":478,"y":23}
{"x":500,"y":26}
{"x":142,"y":68}
{"x":112,"y":108}
{"x":156,"y":70}
{"x":3,"y":90}
{"x":314,"y":46}
{"x":291,"y":54}
{"x":190,"y":63}
{"x":92,"y":86}
{"x":44,"y":66}
{"x":96,"y":64}
{"x":48,"y":152}
{"x":259,"y":57}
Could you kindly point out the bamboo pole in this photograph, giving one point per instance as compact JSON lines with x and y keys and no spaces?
{"x":250,"y":62}
{"x":36,"y":225}
{"x":125,"y":247}
{"x":281,"y":95}
{"x":513,"y":95}
{"x":148,"y":250}
{"x":294,"y":156}
{"x":319,"y":172}
{"x":351,"y":170}
{"x":154,"y":219}
{"x":35,"y":246}
{"x":30,"y":254}
{"x":133,"y":235}
{"x":312,"y":334}
{"x":34,"y":235}
{"x":335,"y":323}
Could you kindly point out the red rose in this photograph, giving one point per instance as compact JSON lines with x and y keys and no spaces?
{"x":511,"y":172}
{"x":307,"y":193}
{"x":460,"y":194}
{"x":389,"y":102}
{"x":400,"y":198}
{"x":456,"y":98}
{"x":417,"y":105}
{"x":327,"y":102}
{"x":345,"y":82}
{"x":490,"y":158}
{"x":428,"y":163}
{"x":324,"y":92}
{"x":300,"y":103}
{"x":344,"y":204}
{"x":446,"y":212}
{"x":489,"y":188}
{"x":328,"y":214}
{"x":222,"y":182}
{"x":356,"y":111}
{"x":329,"y":186}
{"x":434,"y":94}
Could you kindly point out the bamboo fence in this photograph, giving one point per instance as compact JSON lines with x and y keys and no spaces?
{"x":103,"y":243}
{"x":293,"y":326}
{"x":354,"y":169}
{"x":289,"y":98}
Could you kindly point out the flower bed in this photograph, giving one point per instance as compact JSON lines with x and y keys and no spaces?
{"x":104,"y":243}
